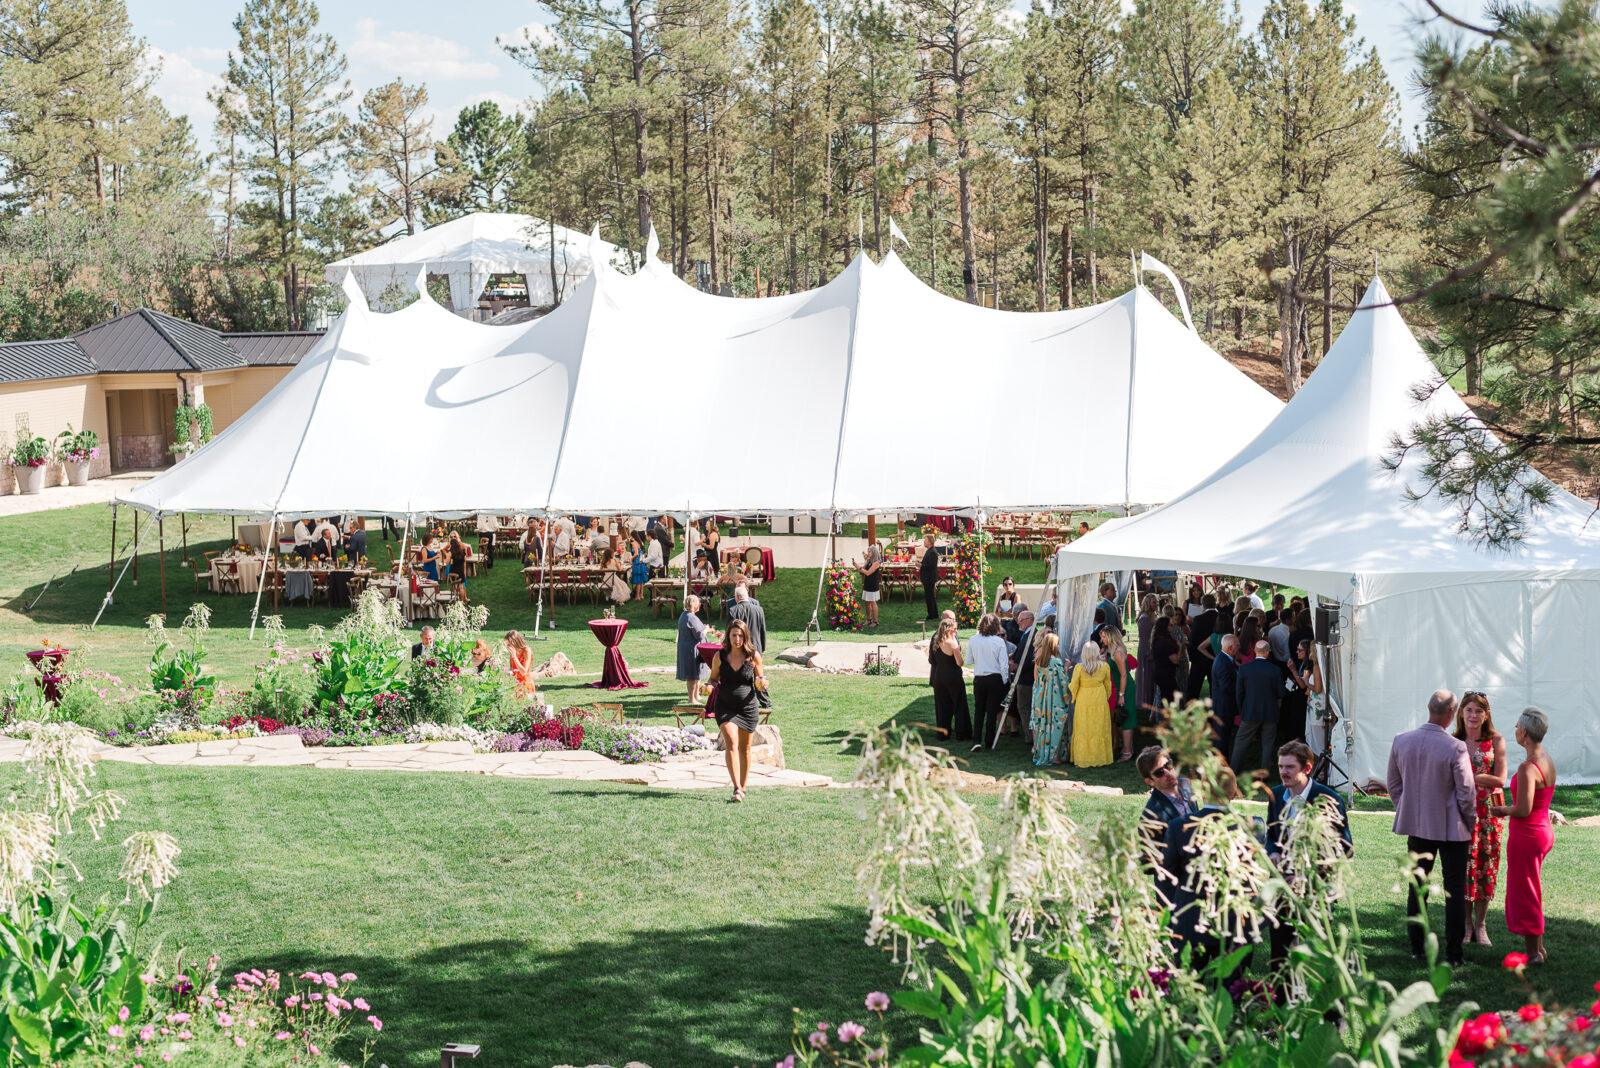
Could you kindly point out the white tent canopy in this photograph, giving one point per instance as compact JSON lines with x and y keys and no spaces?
{"x":1309,"y":504}
{"x":643,"y":395}
{"x":470,"y":249}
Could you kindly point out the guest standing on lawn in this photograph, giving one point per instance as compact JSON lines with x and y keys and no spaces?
{"x":991,"y":667}
{"x":1486,"y":747}
{"x":928,"y":572}
{"x":950,"y":714}
{"x":520,"y":663}
{"x":691,"y":632}
{"x":1435,"y":807}
{"x":1145,"y":684}
{"x":1091,"y":709}
{"x":1050,"y":703}
{"x":736,"y":673}
{"x":639,"y":570}
{"x":871,"y":581}
{"x":1528,"y":836}
{"x":1124,"y":708}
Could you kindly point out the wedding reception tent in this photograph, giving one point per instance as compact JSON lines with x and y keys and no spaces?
{"x":472,"y":249}
{"x":641,"y":394}
{"x":1309,"y":504}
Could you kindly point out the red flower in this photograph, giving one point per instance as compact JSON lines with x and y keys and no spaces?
{"x":1579,"y":1023}
{"x":1516,"y":961}
{"x":1479,"y":1034}
{"x":1585,"y":1060}
{"x":1530,"y":1013}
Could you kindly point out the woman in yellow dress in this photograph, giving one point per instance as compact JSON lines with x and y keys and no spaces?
{"x":1091,"y":716}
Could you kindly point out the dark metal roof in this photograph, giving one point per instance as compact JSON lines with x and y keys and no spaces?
{"x":24,"y":361}
{"x":281,"y":349}
{"x":150,"y":341}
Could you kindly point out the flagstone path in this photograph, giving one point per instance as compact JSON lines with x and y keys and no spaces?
{"x":686,"y":772}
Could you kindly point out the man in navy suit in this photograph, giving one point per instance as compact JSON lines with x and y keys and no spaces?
{"x":1257,"y":689}
{"x":1290,"y":802}
{"x":1224,"y":700}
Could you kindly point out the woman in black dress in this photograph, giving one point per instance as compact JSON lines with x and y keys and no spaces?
{"x":950,"y":713}
{"x":1164,"y":653}
{"x":736,"y":673}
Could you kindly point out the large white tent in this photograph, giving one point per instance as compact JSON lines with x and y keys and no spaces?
{"x":1309,"y":504}
{"x":470,"y":249}
{"x":641,"y":394}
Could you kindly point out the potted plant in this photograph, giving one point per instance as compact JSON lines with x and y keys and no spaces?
{"x":77,"y":449}
{"x":29,"y":457}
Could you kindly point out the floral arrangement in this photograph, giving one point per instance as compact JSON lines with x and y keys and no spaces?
{"x":632,"y":744}
{"x":1530,"y":1035}
{"x":844,"y":613}
{"x":875,"y":663}
{"x":568,"y":735}
{"x":30,"y":452}
{"x":438,"y":732}
{"x":77,"y":446}
{"x":970,"y":603}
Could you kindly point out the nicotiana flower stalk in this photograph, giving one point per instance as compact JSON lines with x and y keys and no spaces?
{"x":59,"y":759}
{"x":1040,"y":849}
{"x":148,"y":864}
{"x":27,"y":852}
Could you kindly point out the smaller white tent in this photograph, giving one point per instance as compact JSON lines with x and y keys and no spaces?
{"x":1310,"y":504}
{"x":474,"y":247}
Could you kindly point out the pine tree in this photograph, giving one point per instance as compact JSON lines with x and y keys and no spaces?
{"x":393,"y":158}
{"x":880,"y":91}
{"x":483,"y":152}
{"x":290,"y":81}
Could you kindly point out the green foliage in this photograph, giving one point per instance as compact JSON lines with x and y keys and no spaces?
{"x":360,"y":661}
{"x":64,"y":974}
{"x":30,"y":452}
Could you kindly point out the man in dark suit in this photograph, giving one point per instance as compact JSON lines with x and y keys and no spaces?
{"x":1170,"y":796}
{"x":1257,"y":690}
{"x":744,"y":607}
{"x":1200,"y":630}
{"x":1287,"y":803}
{"x":1204,"y":944}
{"x":1224,"y":698}
{"x":928,"y":572}
{"x":425,"y":646}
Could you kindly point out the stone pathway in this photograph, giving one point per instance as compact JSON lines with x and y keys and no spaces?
{"x":687,"y":772}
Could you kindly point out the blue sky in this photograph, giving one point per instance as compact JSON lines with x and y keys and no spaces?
{"x":451,"y":47}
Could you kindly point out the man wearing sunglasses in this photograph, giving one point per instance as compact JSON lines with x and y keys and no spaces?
{"x":1170,"y":797}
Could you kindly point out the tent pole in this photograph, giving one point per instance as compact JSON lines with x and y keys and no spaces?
{"x":827,"y":562}
{"x":538,"y":596}
{"x":404,"y":534}
{"x":111,"y":571}
{"x":105,"y":603}
{"x":183,"y":522}
{"x":1133,"y":367}
{"x":688,"y":553}
{"x":161,"y":559}
{"x":261,"y":583}
{"x":136,"y":544}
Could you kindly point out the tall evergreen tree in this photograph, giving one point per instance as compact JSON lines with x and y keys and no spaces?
{"x":290,"y":80}
{"x":483,"y":152}
{"x":397,"y":166}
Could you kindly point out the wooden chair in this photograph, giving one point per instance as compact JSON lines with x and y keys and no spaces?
{"x":694,"y":712}
{"x":204,"y":574}
{"x":458,"y":589}
{"x":609,"y":711}
{"x":426,"y":601}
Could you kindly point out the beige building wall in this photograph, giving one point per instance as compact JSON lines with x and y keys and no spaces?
{"x":232,"y":393}
{"x":51,"y":406}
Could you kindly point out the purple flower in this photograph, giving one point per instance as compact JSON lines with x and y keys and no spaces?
{"x":818,"y":1039}
{"x":849,"y":1031}
{"x":787,"y":1062}
{"x":878,"y":1001}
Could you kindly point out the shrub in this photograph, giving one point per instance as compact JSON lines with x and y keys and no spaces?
{"x":177,"y":667}
{"x":631,"y":743}
{"x":566,"y":735}
{"x":282,"y":688}
{"x":359,"y":662}
{"x":875,"y":664}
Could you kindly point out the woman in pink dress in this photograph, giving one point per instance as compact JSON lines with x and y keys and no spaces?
{"x":1487,"y":748}
{"x":1528,"y":835}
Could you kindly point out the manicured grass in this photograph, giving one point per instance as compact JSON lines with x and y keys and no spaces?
{"x":575,"y":923}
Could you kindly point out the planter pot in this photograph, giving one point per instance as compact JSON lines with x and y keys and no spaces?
{"x":77,"y":472}
{"x":30,"y":479}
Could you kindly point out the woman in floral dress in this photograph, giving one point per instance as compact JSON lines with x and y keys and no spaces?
{"x":1050,"y":704}
{"x":1487,"y":748}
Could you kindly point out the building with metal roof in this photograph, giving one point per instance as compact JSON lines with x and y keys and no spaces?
{"x":125,"y":378}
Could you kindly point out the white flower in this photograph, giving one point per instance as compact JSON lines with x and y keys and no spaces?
{"x":149,"y":862}
{"x":27,"y":844}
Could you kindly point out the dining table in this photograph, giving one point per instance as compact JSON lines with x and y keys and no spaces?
{"x":614,"y":671}
{"x":768,"y":565}
{"x":244,"y":567}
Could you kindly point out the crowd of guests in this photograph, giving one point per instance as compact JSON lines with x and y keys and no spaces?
{"x":477,"y":659}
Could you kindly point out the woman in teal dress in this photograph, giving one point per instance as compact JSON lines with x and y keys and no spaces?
{"x":1124,"y":678}
{"x":1051,"y":704}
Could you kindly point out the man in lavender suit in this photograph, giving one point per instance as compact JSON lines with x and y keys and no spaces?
{"x":1435,"y":807}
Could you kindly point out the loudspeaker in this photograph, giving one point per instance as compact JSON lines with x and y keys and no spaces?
{"x":1327,"y":624}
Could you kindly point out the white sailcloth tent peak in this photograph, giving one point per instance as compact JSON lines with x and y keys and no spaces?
{"x":1309,"y":504}
{"x":469,"y":249}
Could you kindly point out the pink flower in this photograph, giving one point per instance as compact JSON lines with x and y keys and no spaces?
{"x":361,"y":1003}
{"x":257,"y":973}
{"x":178,"y":1017}
{"x":1516,"y":961}
{"x":330,"y":979}
{"x":315,"y":995}
{"x":1579,"y":1023}
{"x":224,"y":1020}
{"x":283,"y":1036}
{"x":333,"y":1010}
{"x":219,"y":1003}
{"x":348,"y":977}
{"x":849,"y":1031}
{"x":115,"y":1030}
{"x":146,"y":1033}
{"x":237,"y":1041}
{"x":877,"y":1001}
{"x":184,"y":1036}
{"x":787,"y":1062}
{"x":818,"y":1039}
{"x":312,"y":1046}
{"x":291,"y":1001}
{"x":312,"y":977}
{"x":377,"y":1024}
{"x":122,"y":1014}
{"x":166,"y":1057}
{"x":1586,"y":1060}
{"x":878,"y":1054}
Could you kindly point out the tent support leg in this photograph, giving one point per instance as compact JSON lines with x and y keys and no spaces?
{"x":538,"y":595}
{"x":261,"y":583}
{"x":111,"y":571}
{"x":136,"y":544}
{"x":183,"y":522}
{"x":161,"y":560}
{"x":133,"y":557}
{"x":827,"y":562}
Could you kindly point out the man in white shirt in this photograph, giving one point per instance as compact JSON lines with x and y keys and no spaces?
{"x":487,"y":526}
{"x":563,"y":542}
{"x":302,"y":538}
{"x":990,"y":661}
{"x":652,"y":557}
{"x":1250,"y":589}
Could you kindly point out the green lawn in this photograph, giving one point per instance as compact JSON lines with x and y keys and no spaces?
{"x":575,"y":923}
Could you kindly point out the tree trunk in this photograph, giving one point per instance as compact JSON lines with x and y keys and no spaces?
{"x":1327,"y":311}
{"x":1474,"y":368}
{"x":641,"y":124}
{"x":1066,"y":264}
{"x":969,"y":265}
{"x":877,"y":200}
{"x":1040,"y":235}
{"x":1091,"y":202}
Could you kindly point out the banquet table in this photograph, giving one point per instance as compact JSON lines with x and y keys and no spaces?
{"x":614,"y":675}
{"x":768,"y":567}
{"x":249,"y":573}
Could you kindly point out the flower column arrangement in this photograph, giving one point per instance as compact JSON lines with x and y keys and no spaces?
{"x":844,"y":613}
{"x":969,"y":576}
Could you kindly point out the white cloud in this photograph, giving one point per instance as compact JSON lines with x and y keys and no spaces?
{"x":529,"y":33}
{"x":182,"y":87}
{"x":508,"y":103}
{"x":414,"y":56}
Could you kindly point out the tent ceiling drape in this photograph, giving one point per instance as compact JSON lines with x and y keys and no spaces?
{"x":642,"y":394}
